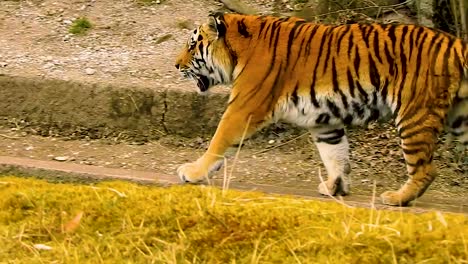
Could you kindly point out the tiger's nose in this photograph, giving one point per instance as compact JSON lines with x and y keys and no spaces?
{"x":177,"y":65}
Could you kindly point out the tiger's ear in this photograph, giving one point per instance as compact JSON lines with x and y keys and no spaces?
{"x":217,"y":23}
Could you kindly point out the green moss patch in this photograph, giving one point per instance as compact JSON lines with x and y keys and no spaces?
{"x":118,"y":221}
{"x":80,"y":26}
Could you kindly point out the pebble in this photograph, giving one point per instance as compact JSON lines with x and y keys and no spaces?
{"x":90,"y":71}
{"x":61,"y":158}
{"x":48,"y":65}
{"x":271,"y":141}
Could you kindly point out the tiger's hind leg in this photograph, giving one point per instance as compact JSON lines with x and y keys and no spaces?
{"x":419,"y":137}
{"x":333,"y":147}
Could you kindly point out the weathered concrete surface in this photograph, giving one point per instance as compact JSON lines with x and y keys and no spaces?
{"x":72,"y":109}
{"x":85,"y":173}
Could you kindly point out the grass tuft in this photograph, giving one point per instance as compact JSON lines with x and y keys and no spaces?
{"x":80,"y":26}
{"x":112,"y":221}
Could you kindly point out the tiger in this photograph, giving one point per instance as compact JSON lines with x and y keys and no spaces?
{"x":328,"y":77}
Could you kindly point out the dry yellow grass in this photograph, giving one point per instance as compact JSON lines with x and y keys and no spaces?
{"x":120,"y":222}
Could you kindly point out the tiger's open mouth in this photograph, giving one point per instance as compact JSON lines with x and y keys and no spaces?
{"x":203,"y":82}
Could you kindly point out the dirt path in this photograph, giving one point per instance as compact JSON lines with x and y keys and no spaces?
{"x":294,"y":165}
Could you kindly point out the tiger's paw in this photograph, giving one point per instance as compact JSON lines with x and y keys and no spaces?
{"x":192,"y":172}
{"x":339,"y":187}
{"x":393,"y":198}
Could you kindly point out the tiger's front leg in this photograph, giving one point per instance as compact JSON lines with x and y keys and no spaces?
{"x":234,"y":123}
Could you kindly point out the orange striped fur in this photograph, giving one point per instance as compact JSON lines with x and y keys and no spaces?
{"x":326,"y":77}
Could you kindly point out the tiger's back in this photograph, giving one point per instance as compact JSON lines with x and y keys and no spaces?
{"x":325,"y":77}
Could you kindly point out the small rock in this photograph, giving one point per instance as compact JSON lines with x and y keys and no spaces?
{"x":61,"y":158}
{"x":48,"y":65}
{"x":271,"y":141}
{"x":90,"y":71}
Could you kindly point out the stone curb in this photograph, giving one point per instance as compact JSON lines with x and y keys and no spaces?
{"x":69,"y":172}
{"x":53,"y":107}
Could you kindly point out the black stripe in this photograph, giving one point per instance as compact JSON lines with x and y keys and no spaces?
{"x":357,"y":61}
{"x":273,"y":35}
{"x":358,"y":109}
{"x":323,"y":119}
{"x":314,"y":74}
{"x":322,"y":42}
{"x":348,"y":119}
{"x":311,"y":35}
{"x":445,"y":64}
{"x":291,"y":37}
{"x":350,"y":43}
{"x":362,"y":92}
{"x":458,"y":122}
{"x":374,"y":115}
{"x":313,"y":97}
{"x":233,"y":99}
{"x":374,"y":73}
{"x":391,"y":34}
{"x":418,"y":163}
{"x":414,"y":151}
{"x":403,"y":58}
{"x":270,"y":97}
{"x":350,"y":82}
{"x":377,"y":46}
{"x":365,"y":30}
{"x":200,"y":49}
{"x":328,"y":50}
{"x":434,"y":131}
{"x":413,"y":38}
{"x":334,"y":109}
{"x":331,"y":137}
{"x":242,"y":29}
{"x":435,"y":47}
{"x":418,"y":39}
{"x":262,"y":27}
{"x":341,"y":36}
{"x":399,"y":91}
{"x":294,"y":96}
{"x":419,"y":51}
{"x":277,"y":86}
{"x":390,"y":60}
{"x":458,"y":63}
{"x":384,"y":91}
{"x":336,"y":85}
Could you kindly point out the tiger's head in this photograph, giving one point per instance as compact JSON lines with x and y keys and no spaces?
{"x":205,"y":57}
